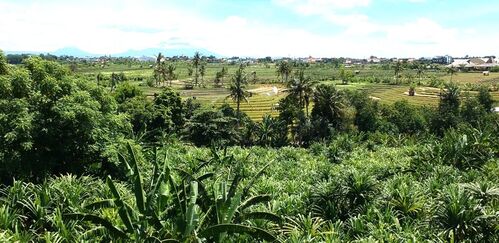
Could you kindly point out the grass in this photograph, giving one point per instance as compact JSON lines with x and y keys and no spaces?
{"x":474,"y":78}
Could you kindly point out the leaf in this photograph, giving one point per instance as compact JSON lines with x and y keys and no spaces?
{"x":138,"y":188}
{"x":254,"y":232}
{"x":232,"y":208}
{"x":108,"y":203}
{"x":205,"y":176}
{"x":191,"y":215}
{"x":254,"y":200}
{"x":262,"y":215}
{"x":122,"y":211}
{"x":100,"y":221}
{"x":250,"y":184}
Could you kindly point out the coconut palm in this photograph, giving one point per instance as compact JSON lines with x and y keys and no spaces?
{"x":196,"y":62}
{"x":451,"y":71}
{"x":420,"y":70}
{"x":267,"y":130}
{"x":159,"y":69}
{"x":237,"y":89}
{"x":301,"y":87}
{"x":397,"y":68}
{"x":202,"y":72}
{"x":170,"y":72}
{"x":329,"y":104}
{"x":284,"y":69}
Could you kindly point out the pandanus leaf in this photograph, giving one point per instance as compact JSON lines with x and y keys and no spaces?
{"x":138,"y":188}
{"x":254,"y":232}
{"x":262,"y":215}
{"x":99,"y":221}
{"x":253,"y":201}
{"x":122,"y":209}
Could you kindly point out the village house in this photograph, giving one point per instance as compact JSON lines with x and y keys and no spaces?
{"x":475,"y":63}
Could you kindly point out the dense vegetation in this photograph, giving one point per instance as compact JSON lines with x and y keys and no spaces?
{"x":82,"y":160}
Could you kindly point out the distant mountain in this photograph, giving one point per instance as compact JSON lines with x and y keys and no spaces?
{"x":72,"y":51}
{"x":150,"y":52}
{"x":145,"y":53}
{"x":21,"y":52}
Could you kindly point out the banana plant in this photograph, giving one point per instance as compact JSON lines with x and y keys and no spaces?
{"x":166,"y":201}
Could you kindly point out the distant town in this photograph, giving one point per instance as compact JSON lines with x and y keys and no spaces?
{"x":480,"y":63}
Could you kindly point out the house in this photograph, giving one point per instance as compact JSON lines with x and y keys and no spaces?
{"x":476,"y":63}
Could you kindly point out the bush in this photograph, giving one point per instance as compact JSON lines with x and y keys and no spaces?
{"x":53,"y":123}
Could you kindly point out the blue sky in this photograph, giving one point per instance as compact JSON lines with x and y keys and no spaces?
{"x":320,"y":28}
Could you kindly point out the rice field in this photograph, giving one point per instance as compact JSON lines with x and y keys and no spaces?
{"x":264,"y":101}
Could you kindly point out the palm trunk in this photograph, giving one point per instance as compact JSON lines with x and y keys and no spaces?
{"x":238,"y":113}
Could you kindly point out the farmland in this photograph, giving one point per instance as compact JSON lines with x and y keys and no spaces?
{"x":375,"y":80}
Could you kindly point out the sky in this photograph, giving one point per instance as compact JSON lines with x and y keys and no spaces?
{"x":256,"y":28}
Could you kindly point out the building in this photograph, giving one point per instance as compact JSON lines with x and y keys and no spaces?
{"x":442,"y":59}
{"x":474,"y":63}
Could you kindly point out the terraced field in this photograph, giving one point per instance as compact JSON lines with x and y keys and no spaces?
{"x":264,"y":101}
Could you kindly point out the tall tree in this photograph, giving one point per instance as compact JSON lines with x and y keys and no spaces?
{"x":420,"y":70}
{"x":329,"y":104}
{"x":397,"y":68}
{"x":301,"y":87}
{"x":223,"y":73}
{"x":160,"y":69}
{"x":202,"y":72}
{"x":171,"y":74}
{"x":345,"y":75}
{"x":196,"y":62}
{"x":237,"y":89}
{"x":451,"y":71}
{"x":284,"y":69}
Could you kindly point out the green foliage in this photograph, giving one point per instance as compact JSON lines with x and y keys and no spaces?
{"x":126,"y":91}
{"x":485,"y":98}
{"x":301,"y":88}
{"x":210,"y":125}
{"x":330,"y":106}
{"x":3,"y":64}
{"x":448,"y":109}
{"x":168,"y":111}
{"x":237,"y":89}
{"x":52,"y":123}
{"x":407,"y":118}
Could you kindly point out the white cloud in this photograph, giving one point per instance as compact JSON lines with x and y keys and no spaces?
{"x":117,"y":26}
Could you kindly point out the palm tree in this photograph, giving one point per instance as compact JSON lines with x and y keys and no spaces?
{"x":237,"y":89}
{"x":266,"y":130}
{"x":301,"y":87}
{"x":397,"y":69}
{"x":202,"y":72}
{"x":196,"y":62}
{"x":284,"y":70}
{"x":329,"y":104}
{"x":420,"y":71}
{"x":451,"y":71}
{"x":170,"y":71}
{"x":160,"y":69}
